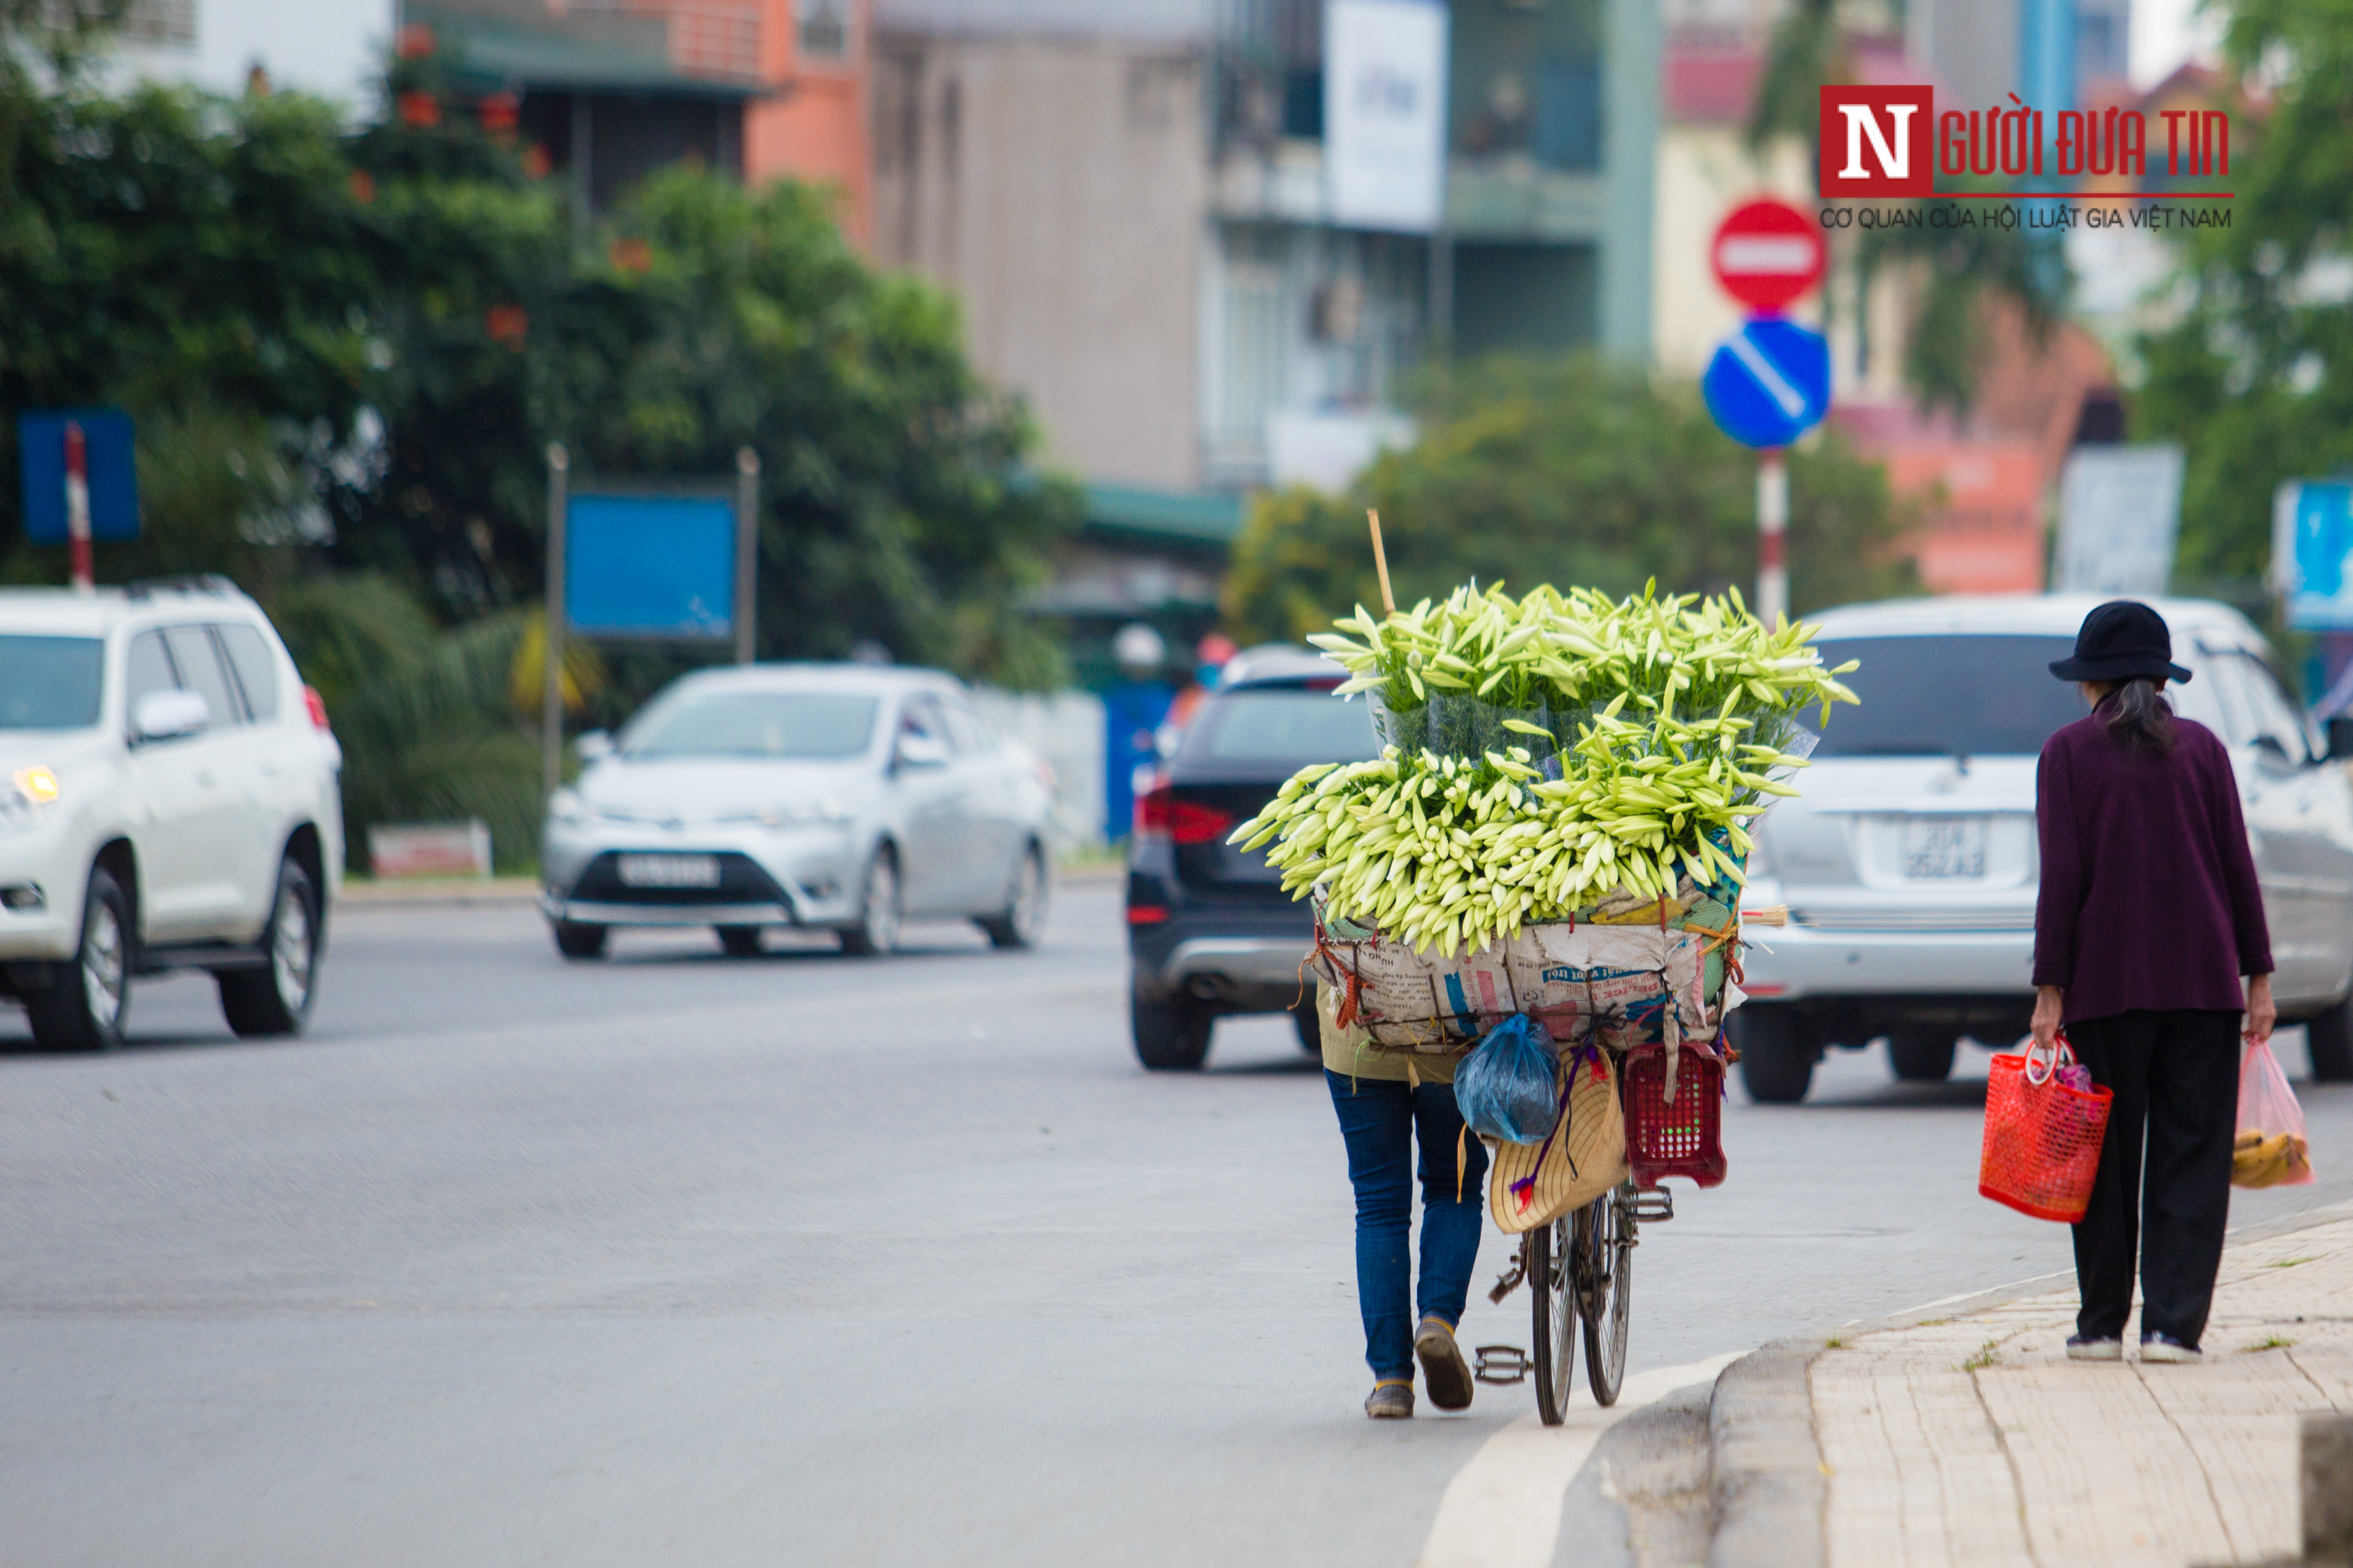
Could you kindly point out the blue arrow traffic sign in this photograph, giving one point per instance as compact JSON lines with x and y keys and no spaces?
{"x":1769,"y":382}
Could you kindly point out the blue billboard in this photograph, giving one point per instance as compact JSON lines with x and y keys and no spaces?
{"x":113,"y":477}
{"x":649,"y":566}
{"x":2312,"y":552}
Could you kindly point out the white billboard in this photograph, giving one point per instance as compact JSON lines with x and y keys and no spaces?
{"x":2119,"y":514}
{"x":1384,"y":114}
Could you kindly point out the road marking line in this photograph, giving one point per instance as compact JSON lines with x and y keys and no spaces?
{"x":1502,"y":1510}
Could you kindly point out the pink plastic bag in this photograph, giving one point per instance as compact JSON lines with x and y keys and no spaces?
{"x":2270,"y":1150}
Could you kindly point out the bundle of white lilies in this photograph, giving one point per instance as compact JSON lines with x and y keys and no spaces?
{"x":1546,"y":754}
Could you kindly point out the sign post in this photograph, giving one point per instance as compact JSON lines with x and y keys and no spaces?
{"x":1772,"y":536}
{"x":747,"y":551}
{"x":1770,"y":382}
{"x":83,"y":573}
{"x":551,"y":722}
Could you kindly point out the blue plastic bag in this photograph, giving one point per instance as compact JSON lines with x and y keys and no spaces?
{"x":1509,"y":1086}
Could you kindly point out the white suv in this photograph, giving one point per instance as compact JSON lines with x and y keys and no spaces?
{"x":168,"y":800}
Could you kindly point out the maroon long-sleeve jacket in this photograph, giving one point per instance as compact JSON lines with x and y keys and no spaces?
{"x":2149,"y":899}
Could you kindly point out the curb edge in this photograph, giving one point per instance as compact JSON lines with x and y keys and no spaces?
{"x":1764,"y":1483}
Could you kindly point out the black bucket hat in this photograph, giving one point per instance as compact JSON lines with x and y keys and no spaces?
{"x":2121,"y":640}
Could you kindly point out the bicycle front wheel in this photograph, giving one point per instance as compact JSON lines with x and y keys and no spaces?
{"x":1602,"y":1271}
{"x":1554,"y":1295}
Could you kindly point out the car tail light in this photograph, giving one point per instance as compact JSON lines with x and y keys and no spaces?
{"x":1160,"y":815}
{"x":1147,"y":914}
{"x":318,"y":707}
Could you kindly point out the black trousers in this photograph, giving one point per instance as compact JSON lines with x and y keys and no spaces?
{"x":2175,"y":1079}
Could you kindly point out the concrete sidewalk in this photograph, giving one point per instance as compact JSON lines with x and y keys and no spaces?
{"x":1974,"y":1440}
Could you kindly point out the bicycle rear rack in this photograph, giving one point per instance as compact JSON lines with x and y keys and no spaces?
{"x":1502,"y":1365}
{"x":1652,"y":1204}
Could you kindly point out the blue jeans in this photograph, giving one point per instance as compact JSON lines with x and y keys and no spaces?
{"x":1380,"y":1119}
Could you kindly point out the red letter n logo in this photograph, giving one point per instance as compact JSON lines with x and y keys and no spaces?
{"x":1875,"y":142}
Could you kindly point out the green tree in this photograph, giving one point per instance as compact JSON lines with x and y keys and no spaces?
{"x":1567,"y":471}
{"x":895,"y":503}
{"x":2254,"y":377}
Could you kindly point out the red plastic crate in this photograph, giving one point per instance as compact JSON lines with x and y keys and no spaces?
{"x":1685,"y":1139}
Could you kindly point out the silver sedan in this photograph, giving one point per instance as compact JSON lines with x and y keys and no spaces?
{"x":835,"y":797}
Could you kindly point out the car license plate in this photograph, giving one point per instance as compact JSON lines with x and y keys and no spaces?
{"x":670,"y":870}
{"x":1943,"y":846}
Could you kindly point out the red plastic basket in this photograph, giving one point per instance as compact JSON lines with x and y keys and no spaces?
{"x":1684,"y":1139}
{"x":2043,"y":1139}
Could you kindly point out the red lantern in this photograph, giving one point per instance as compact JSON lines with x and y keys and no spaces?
{"x":420,"y":109}
{"x":631,"y":255}
{"x":506,"y":323}
{"x":416,"y":41}
{"x":363,"y":186}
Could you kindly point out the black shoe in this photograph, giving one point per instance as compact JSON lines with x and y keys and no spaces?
{"x":1443,"y":1371}
{"x":2158,"y":1347}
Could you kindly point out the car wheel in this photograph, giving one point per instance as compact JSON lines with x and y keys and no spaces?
{"x":1171,"y":1036}
{"x":1777,"y":1060}
{"x":2329,"y":1037}
{"x":1022,"y":921}
{"x":575,"y":940}
{"x":85,"y":1008}
{"x":1921,"y":1058}
{"x":878,"y":913}
{"x":1310,"y":1025}
{"x":275,"y":999}
{"x":740,"y":941}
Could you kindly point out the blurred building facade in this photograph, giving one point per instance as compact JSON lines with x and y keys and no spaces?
{"x":1130,"y":199}
{"x":613,"y":90}
{"x":334,"y":52}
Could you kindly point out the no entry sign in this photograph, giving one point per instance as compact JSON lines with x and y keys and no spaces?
{"x":1768,"y":254}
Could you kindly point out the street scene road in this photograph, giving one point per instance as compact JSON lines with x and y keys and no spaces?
{"x":802,"y":1258}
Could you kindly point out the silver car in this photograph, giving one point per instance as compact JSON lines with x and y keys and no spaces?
{"x":1908,"y":861}
{"x":831,"y":797}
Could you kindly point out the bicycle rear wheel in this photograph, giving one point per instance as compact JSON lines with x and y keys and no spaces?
{"x":1602,"y":1273}
{"x":1554,"y":1296}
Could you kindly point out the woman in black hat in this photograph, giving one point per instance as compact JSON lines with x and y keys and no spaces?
{"x":2147,"y":916}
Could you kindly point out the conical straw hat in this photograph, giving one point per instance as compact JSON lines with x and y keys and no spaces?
{"x":1584,"y":1157}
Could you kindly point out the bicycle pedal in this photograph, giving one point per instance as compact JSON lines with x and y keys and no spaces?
{"x":1653,"y":1204}
{"x":1509,"y":1280}
{"x":1502,"y":1365}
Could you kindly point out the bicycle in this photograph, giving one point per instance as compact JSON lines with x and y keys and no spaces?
{"x":1579,"y":1269}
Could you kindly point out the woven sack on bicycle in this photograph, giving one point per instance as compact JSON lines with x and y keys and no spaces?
{"x":1529,"y":1184}
{"x":2043,"y":1138}
{"x":1620,"y":962}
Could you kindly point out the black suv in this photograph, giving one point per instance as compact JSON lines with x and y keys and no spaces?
{"x":1209,"y":930}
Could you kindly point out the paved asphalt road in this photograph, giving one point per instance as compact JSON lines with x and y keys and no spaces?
{"x":803,"y":1260}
